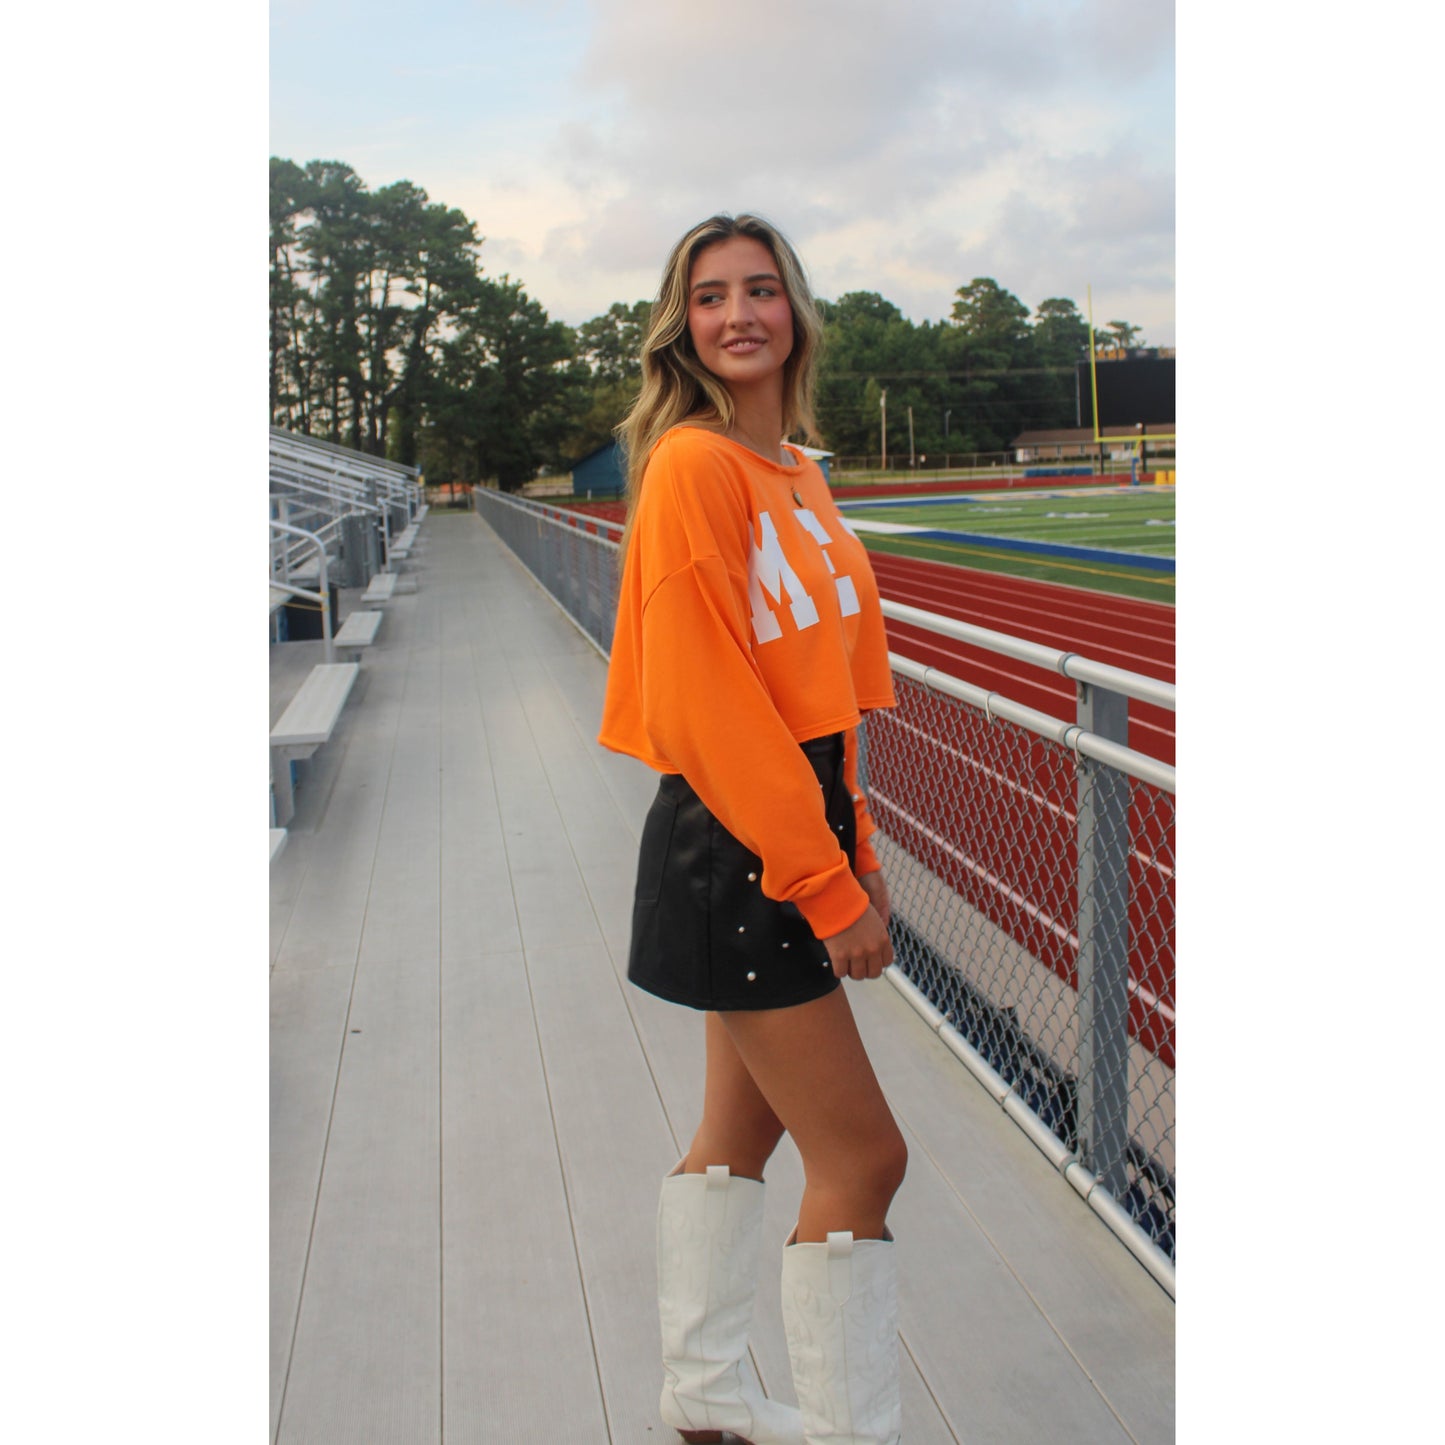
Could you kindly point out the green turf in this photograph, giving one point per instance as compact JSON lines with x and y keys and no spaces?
{"x":1130,"y":521}
{"x":1095,"y":576}
{"x":1124,"y":521}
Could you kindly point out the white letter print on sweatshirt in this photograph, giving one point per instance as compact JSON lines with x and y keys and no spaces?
{"x":769,"y":572}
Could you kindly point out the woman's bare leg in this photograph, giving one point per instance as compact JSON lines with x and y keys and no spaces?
{"x":808,"y":1067}
{"x":738,"y":1126}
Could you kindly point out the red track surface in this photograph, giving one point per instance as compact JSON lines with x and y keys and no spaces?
{"x":1001,"y":832}
{"x":1122,"y":631}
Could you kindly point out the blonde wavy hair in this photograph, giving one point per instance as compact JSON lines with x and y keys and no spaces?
{"x":677,"y":387}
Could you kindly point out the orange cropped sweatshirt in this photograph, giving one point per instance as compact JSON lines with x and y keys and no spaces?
{"x":748,"y":622}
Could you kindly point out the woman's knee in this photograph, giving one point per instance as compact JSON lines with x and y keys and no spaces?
{"x":869,"y":1168}
{"x":888,"y":1163}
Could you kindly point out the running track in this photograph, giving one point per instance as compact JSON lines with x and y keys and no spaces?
{"x":1121,"y":631}
{"x":1001,"y":832}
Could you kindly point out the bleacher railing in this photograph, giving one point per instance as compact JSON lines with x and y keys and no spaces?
{"x":1030,"y":862}
{"x":356,"y":504}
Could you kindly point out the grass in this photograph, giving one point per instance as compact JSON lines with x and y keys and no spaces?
{"x":1126,"y":582}
{"x":1121,"y":521}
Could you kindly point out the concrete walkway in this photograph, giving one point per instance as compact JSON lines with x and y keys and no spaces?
{"x":471,"y":1109}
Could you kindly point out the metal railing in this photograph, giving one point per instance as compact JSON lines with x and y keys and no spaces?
{"x":354,"y":505}
{"x":1030,"y":861}
{"x":338,"y":480}
{"x":392,"y":480}
{"x":293,"y":559}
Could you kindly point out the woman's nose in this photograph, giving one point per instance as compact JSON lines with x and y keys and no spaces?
{"x":740,"y":309}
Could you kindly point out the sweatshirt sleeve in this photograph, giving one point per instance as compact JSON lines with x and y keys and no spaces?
{"x":866,"y":858}
{"x":705,"y":706}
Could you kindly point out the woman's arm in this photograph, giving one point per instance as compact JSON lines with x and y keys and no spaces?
{"x":706,"y":709}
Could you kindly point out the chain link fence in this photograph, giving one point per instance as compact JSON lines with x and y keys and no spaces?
{"x":1033,"y":900}
{"x":1030,"y":863}
{"x":573,"y":556}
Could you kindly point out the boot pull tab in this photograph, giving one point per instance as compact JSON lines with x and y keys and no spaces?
{"x":840,"y":1265}
{"x":716,"y":1196}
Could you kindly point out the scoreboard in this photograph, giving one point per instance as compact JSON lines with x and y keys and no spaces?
{"x":1131,"y":390}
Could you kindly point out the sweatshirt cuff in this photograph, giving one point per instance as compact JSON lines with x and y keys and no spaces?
{"x":837,"y":905}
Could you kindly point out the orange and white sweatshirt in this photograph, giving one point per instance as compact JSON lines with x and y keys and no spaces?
{"x":748,"y":622}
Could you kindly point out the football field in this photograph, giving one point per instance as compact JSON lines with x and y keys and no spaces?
{"x":1110,"y":539}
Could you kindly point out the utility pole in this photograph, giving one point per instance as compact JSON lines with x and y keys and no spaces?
{"x":883,"y":404}
{"x":911,"y":461}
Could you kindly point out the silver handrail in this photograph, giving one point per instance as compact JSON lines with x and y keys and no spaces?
{"x":1068,"y":664}
{"x":324,"y":596}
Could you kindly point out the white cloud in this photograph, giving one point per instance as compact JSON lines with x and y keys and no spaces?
{"x":904,"y":149}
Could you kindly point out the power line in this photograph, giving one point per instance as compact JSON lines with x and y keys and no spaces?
{"x":827,"y":373}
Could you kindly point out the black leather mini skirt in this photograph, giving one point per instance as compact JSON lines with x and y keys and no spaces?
{"x":703,"y":932}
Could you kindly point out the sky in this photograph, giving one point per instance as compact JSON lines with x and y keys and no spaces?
{"x":904,"y":149}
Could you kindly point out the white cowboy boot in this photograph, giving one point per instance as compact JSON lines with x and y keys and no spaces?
{"x":708,"y":1231}
{"x":840,"y":1310}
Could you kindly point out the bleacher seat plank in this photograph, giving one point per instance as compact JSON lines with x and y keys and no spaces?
{"x":381,"y":588}
{"x":312,"y":715}
{"x":359,"y":629}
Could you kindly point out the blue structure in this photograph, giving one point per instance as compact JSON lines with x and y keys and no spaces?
{"x":601,"y":473}
{"x":822,"y":460}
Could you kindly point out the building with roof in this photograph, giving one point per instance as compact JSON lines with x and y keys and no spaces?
{"x":601,"y":473}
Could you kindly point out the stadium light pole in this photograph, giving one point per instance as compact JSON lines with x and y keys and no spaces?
{"x":883,"y":406}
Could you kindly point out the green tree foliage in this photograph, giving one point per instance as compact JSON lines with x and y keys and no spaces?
{"x":1061,"y":341}
{"x":993,"y":322}
{"x":386,"y":336}
{"x":609,"y":349}
{"x":1061,"y":335}
{"x":1120,"y":334}
{"x":611,"y":344}
{"x":870,"y":346}
{"x":500,"y":392}
{"x":990,"y":349}
{"x":974,"y":382}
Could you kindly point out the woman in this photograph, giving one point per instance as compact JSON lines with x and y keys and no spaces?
{"x":748,"y":644}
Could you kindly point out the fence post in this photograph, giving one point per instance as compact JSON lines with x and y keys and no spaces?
{"x":1103,"y":920}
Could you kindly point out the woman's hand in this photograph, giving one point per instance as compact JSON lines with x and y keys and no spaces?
{"x":862,"y":950}
{"x":877,"y":891}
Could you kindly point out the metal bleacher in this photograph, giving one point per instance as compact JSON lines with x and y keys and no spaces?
{"x":338,"y":520}
{"x":472,"y":1110}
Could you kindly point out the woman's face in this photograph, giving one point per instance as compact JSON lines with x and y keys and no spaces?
{"x":738,"y":313}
